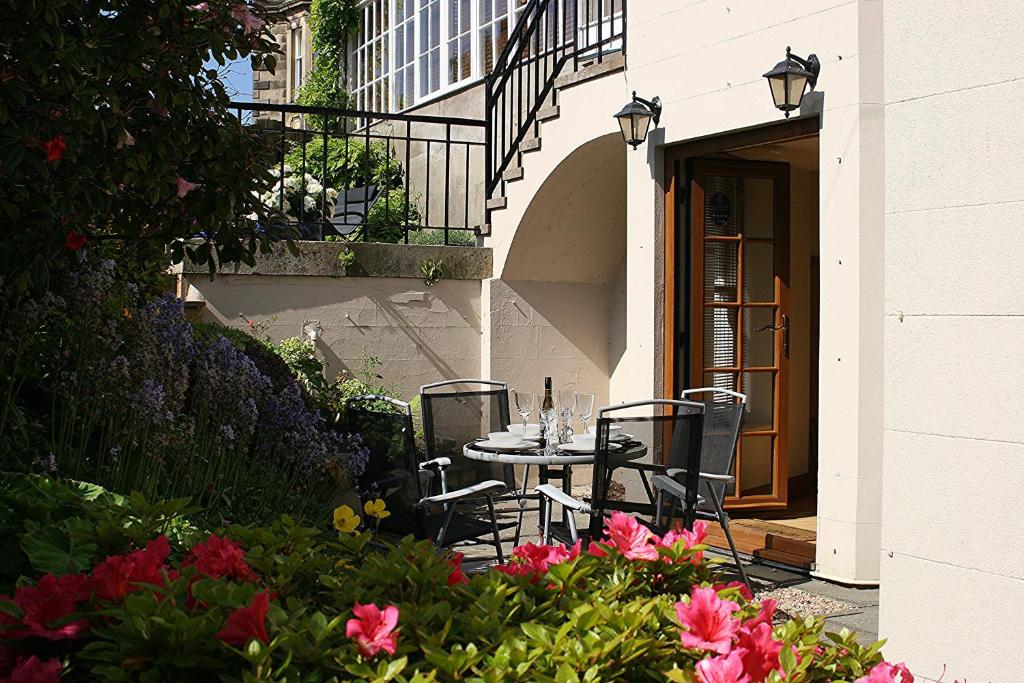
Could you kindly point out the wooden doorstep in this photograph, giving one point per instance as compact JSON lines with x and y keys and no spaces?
{"x":794,"y":547}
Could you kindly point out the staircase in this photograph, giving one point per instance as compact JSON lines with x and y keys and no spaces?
{"x":555,"y":45}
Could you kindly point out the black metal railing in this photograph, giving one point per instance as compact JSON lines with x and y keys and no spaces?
{"x":549,"y":36}
{"x":371,"y":176}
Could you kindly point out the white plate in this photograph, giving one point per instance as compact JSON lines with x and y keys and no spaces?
{"x":621,"y":437}
{"x":578,"y":448}
{"x":503,"y":446}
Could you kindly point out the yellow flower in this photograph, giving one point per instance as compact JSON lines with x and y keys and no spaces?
{"x":376,"y":508}
{"x":345,"y":519}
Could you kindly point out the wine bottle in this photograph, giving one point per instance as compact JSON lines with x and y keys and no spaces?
{"x":547,"y":417}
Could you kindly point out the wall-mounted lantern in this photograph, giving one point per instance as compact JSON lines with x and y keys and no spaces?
{"x":789,"y":79}
{"x":635,"y":118}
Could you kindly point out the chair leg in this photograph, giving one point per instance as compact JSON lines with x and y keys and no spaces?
{"x":522,"y":505}
{"x":659,"y":501}
{"x":494,"y":527}
{"x":723,"y":520}
{"x":571,"y":519}
{"x":546,"y":533}
{"x":449,"y":513}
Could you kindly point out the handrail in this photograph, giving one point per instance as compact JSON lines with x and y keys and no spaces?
{"x":354,"y":113}
{"x":548,"y":35}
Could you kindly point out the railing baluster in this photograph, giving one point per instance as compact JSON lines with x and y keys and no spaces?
{"x":366,"y":179}
{"x":426,"y":209}
{"x":408,"y":194}
{"x":465,"y":220}
{"x":447,"y":174}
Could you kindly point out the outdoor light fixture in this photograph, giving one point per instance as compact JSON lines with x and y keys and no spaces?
{"x":788,"y":78}
{"x":635,"y":118}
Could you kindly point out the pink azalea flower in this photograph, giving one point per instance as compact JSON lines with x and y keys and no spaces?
{"x":708,"y":621}
{"x":125,"y":139}
{"x":250,"y":22}
{"x":201,"y":7}
{"x":457,"y":576}
{"x":596,"y":549}
{"x":766,"y":614}
{"x":533,"y":560}
{"x":632,"y":539}
{"x":35,"y":670}
{"x":373,"y":629}
{"x":758,"y":651}
{"x":884,"y":672}
{"x":726,"y":669}
{"x":184,"y":186}
{"x":690,"y":538}
{"x":744,"y":591}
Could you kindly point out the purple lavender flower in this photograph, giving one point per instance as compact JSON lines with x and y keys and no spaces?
{"x":151,"y":396}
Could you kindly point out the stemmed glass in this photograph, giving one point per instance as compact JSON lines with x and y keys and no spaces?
{"x":585,"y":406}
{"x":566,"y":407}
{"x":524,"y":405}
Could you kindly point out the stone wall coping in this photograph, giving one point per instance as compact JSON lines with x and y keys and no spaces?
{"x":320,"y":259}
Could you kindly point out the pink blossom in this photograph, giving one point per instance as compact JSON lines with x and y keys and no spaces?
{"x":632,"y":539}
{"x":201,"y":7}
{"x":708,"y":621}
{"x":35,"y":670}
{"x":125,"y":139}
{"x":759,"y":651}
{"x":884,"y":672}
{"x":534,"y":560}
{"x":725,"y":669}
{"x":373,"y":629}
{"x":689,"y":538}
{"x":250,"y":22}
{"x":744,"y":590}
{"x":184,"y":186}
{"x":766,"y":614}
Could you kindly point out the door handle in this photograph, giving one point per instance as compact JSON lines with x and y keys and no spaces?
{"x":784,"y":328}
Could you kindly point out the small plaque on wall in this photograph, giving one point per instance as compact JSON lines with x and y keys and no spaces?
{"x":719,"y":209}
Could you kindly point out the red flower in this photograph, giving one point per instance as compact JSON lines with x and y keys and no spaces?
{"x":119,"y":575}
{"x":759,"y":651}
{"x":220,"y":558}
{"x":708,"y":620}
{"x":457,"y":576}
{"x":46,"y":606}
{"x":35,"y":670}
{"x":247,"y":623}
{"x":74,"y":240}
{"x":54,"y":148}
{"x":533,"y":560}
{"x":373,"y":629}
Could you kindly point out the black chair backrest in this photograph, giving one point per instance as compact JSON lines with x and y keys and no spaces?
{"x":723,"y":415}
{"x":672,"y":433}
{"x":392,"y":470}
{"x":352,"y":208}
{"x":455,"y":412}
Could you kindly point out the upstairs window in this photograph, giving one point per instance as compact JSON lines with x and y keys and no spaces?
{"x":296,"y":47}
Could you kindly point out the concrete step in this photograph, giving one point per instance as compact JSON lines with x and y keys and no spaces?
{"x":497,"y":203}
{"x":609,"y":64}
{"x":529,"y":145}
{"x":512,"y":173}
{"x":547,"y":113}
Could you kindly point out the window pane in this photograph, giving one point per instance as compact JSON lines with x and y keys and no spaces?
{"x":759,"y":271}
{"x":720,"y":262}
{"x":758,"y":347}
{"x":758,"y":459}
{"x":720,"y":337}
{"x":760,"y":390}
{"x":720,"y":194}
{"x":759,"y":207}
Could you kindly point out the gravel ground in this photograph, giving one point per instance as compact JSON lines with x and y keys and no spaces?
{"x":796,"y":602}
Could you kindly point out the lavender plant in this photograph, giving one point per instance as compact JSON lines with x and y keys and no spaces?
{"x":100,"y":385}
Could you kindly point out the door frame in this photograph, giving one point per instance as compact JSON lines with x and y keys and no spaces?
{"x":677,"y":295}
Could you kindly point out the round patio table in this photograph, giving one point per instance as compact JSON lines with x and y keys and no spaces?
{"x":562,"y":460}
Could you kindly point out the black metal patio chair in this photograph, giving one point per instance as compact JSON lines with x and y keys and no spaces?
{"x":352,"y":208}
{"x":723,"y":416}
{"x":395,"y":474}
{"x":670,"y":433}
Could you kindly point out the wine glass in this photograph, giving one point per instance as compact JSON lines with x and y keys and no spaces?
{"x":524,"y":405}
{"x":566,"y":407}
{"x":585,"y":406}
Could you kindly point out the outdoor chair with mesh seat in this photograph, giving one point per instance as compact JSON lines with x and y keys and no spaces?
{"x":394,"y":474}
{"x":723,"y":415}
{"x":352,"y":208}
{"x":669,"y":430}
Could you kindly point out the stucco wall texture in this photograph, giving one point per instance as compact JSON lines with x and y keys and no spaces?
{"x":421,"y":334}
{"x":952,"y":557}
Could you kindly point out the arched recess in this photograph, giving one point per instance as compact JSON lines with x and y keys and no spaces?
{"x":558,"y":305}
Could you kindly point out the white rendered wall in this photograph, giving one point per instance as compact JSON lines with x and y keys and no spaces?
{"x":705,"y":61}
{"x":952,"y":550}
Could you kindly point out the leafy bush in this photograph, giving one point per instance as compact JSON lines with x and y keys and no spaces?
{"x":108,"y":110}
{"x":157,"y":599}
{"x":434,"y":236}
{"x":100,"y":384}
{"x":348,"y":163}
{"x":297,"y":353}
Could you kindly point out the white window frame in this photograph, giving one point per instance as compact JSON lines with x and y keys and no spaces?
{"x":296,"y":38}
{"x":363,"y":42}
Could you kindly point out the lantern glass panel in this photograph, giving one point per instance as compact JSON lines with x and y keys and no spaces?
{"x":796,"y":89}
{"x":778,"y":85}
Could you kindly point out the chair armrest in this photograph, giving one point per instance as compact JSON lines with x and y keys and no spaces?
{"x":646,"y":466}
{"x":676,"y":471}
{"x":672,"y":487}
{"x":435,"y":463}
{"x":484,"y":488}
{"x":559,"y":496}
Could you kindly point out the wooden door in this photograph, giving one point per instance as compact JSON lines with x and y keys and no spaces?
{"x":739,"y":317}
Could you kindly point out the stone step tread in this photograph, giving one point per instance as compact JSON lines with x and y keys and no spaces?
{"x":497,"y":203}
{"x":529,"y":145}
{"x":512,"y":174}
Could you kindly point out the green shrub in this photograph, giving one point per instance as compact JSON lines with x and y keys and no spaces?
{"x":297,"y":353}
{"x":282,"y":603}
{"x":435,"y":237}
{"x":110,"y":108}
